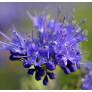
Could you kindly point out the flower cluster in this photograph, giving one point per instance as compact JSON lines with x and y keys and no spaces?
{"x":87,"y":80}
{"x":57,"y":43}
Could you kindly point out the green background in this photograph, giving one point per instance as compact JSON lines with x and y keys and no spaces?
{"x":13,"y":75}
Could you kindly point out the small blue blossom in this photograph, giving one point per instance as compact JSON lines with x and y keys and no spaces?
{"x":87,"y":82}
{"x":57,"y":44}
{"x":51,"y":75}
{"x":31,"y":71}
{"x":45,"y":80}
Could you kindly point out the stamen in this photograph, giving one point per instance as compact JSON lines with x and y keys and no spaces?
{"x":11,"y":44}
{"x":29,"y":15}
{"x":20,"y":56}
{"x":3,"y":43}
{"x":82,"y":63}
{"x":77,"y":33}
{"x":32,"y":34}
{"x":5,"y":36}
{"x":48,"y":54}
{"x":19,"y":37}
{"x":17,"y":34}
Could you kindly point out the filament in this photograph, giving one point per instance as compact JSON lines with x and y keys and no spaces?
{"x":5,"y":36}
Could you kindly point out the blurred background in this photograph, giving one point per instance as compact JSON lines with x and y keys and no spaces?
{"x":12,"y":75}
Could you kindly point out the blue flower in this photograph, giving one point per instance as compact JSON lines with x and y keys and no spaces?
{"x":87,"y":82}
{"x":57,"y":44}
